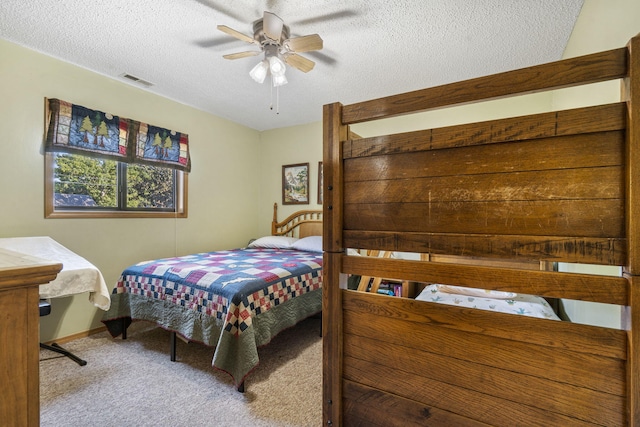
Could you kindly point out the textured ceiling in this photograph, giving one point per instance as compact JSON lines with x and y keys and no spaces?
{"x":372,"y":48}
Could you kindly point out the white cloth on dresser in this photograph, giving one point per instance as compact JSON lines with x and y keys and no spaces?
{"x":77,"y":275}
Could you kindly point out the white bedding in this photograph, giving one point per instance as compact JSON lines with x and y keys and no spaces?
{"x":504,"y":302}
{"x":77,"y":276}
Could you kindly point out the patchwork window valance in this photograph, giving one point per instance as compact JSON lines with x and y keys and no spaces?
{"x":77,"y":129}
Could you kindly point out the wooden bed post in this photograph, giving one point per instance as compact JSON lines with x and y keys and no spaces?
{"x":274,"y":222}
{"x":334,"y":135}
{"x":631,"y":94}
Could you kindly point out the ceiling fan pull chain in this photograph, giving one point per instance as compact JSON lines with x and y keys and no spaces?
{"x":271,"y":91}
{"x":277,"y":97}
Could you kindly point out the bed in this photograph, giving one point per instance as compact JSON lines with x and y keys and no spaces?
{"x":234,"y":300}
{"x":556,"y":187}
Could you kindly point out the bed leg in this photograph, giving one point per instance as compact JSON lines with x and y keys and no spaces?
{"x":241,"y":387}
{"x":318,"y":316}
{"x":173,"y":346}
{"x":124,"y":328}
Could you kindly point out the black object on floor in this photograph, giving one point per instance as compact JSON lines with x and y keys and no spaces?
{"x":45,"y":310}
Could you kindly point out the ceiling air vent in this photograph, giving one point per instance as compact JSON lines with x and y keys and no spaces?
{"x":137,"y":80}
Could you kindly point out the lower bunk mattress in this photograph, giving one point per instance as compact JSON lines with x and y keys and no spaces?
{"x":504,"y":302}
{"x":234,"y":300}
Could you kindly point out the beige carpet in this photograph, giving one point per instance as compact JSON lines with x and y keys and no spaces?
{"x":133,"y":383}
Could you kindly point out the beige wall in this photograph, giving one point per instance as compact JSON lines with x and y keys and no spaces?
{"x":223,"y":191}
{"x":285,"y":146}
{"x":236,"y":175}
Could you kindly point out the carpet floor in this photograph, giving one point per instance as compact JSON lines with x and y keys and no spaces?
{"x":133,"y":383}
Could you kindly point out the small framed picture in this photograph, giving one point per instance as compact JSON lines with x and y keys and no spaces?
{"x":295,"y":184}
{"x":320,"y":184}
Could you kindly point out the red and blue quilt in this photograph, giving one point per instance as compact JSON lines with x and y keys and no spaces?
{"x":219,"y":298}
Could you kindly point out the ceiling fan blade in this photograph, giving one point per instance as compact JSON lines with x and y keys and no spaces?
{"x":326,"y":59}
{"x":241,"y":55}
{"x":301,"y":63}
{"x":270,"y":4}
{"x":328,"y":17}
{"x":304,"y":43}
{"x":236,"y":34}
{"x":214,"y":42}
{"x":272,"y":25}
{"x":220,"y":9}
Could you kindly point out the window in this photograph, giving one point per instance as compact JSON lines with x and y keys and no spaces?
{"x":100,"y":165}
{"x":78,"y":186}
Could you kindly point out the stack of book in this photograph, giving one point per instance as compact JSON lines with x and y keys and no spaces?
{"x":390,"y":288}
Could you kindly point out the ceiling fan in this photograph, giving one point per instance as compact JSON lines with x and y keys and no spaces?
{"x":272,"y":37}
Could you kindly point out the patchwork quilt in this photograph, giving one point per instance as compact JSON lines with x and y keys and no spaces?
{"x":235,"y":300}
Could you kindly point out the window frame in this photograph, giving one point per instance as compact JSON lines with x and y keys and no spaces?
{"x":181,"y":200}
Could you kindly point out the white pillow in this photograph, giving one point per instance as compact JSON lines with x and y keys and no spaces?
{"x":273,"y":242}
{"x":309,"y":244}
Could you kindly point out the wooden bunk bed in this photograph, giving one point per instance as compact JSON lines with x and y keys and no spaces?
{"x":561,"y":186}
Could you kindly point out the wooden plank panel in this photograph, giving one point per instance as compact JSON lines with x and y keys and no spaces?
{"x":607,"y":251}
{"x":570,"y":72}
{"x":534,"y":360}
{"x":591,"y":119}
{"x":421,"y":140}
{"x":332,"y":336}
{"x":588,"y":218}
{"x":566,"y":184}
{"x":369,"y":407}
{"x":489,"y":262}
{"x":631,"y":94}
{"x":514,"y":129}
{"x":521,"y":388}
{"x":562,"y":152}
{"x":333,"y":133}
{"x":569,"y":336}
{"x":585,"y":287}
{"x":568,"y":122}
{"x":458,"y":400}
{"x":633,"y":336}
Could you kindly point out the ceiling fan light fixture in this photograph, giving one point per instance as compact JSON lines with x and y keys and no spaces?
{"x":272,"y":37}
{"x":259,"y":72}
{"x":276,"y":66}
{"x":279,"y":80}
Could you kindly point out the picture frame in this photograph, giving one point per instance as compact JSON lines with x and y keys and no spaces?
{"x":295,"y":184}
{"x":320,"y":184}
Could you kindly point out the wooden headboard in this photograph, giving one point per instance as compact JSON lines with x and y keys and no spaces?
{"x":562,"y":186}
{"x":301,"y":223}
